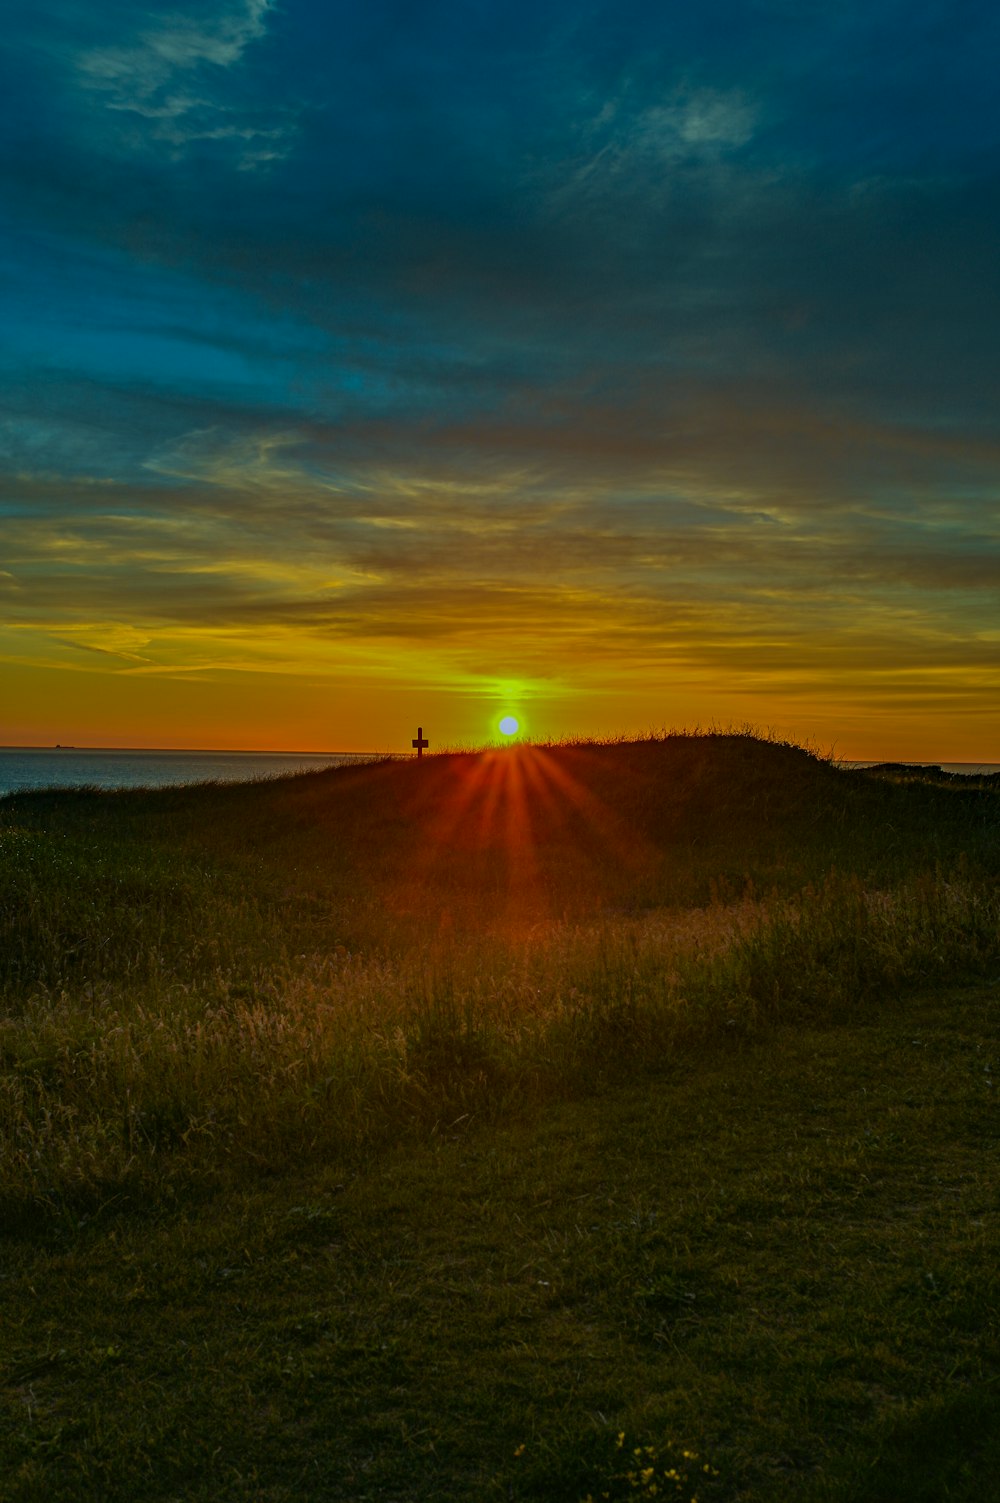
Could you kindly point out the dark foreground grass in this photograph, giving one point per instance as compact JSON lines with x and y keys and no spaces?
{"x":783,"y":1259}
{"x":537,"y":1125}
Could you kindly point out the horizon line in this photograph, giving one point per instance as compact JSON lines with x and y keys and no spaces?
{"x":221,"y":751}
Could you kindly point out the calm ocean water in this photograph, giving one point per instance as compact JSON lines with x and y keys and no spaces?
{"x":66,"y":767}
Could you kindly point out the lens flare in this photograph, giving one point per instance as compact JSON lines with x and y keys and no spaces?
{"x":508,"y":725}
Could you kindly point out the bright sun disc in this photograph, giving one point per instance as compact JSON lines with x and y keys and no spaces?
{"x":508,"y":725}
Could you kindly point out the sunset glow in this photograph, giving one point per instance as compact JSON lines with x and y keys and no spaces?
{"x":497,"y":812}
{"x":366,"y":368}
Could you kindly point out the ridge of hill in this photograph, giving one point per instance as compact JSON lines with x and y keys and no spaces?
{"x":540,"y":832}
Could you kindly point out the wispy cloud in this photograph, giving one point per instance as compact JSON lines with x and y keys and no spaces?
{"x":630,"y":146}
{"x":166,"y":78}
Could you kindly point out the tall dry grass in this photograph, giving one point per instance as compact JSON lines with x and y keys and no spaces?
{"x":124,"y":1088}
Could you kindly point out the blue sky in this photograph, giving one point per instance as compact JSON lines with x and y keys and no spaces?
{"x":634,"y":363}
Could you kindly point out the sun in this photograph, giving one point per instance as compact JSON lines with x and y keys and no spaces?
{"x":508,"y":725}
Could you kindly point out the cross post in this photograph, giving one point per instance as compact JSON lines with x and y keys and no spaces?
{"x":420,"y":743}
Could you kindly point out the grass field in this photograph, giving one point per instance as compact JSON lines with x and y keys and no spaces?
{"x":416,"y":1131}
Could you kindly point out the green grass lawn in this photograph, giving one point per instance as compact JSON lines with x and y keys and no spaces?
{"x":316,"y":1183}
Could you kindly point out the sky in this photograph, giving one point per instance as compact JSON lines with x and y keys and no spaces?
{"x":618,"y":366}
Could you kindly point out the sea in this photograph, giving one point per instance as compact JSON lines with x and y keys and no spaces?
{"x":24,"y":768}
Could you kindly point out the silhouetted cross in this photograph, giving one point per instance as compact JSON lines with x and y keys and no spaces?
{"x":420,"y":743}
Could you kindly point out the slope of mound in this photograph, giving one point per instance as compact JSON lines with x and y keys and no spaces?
{"x":555,"y":831}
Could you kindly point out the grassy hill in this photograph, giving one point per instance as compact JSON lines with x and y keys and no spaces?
{"x":412,"y":1130}
{"x":546,"y":832}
